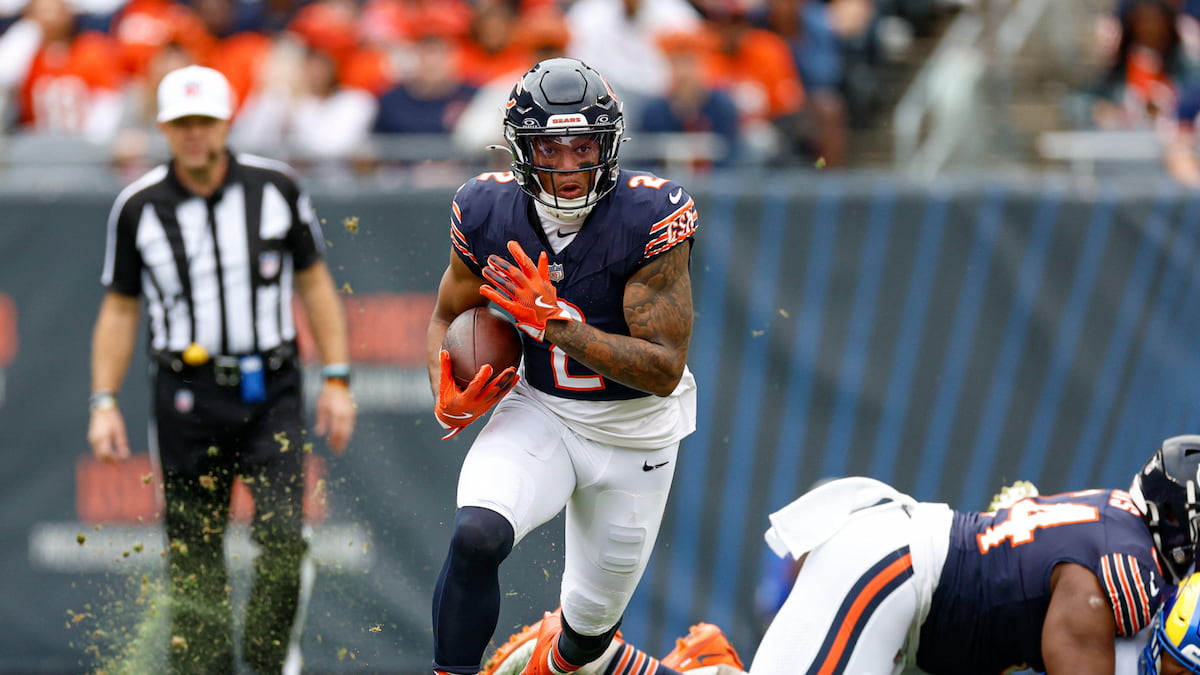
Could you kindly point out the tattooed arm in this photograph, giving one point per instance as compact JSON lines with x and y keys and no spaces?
{"x":658,"y":310}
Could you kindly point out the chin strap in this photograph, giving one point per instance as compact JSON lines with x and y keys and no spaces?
{"x":571,"y":210}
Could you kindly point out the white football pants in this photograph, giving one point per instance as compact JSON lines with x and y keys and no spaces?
{"x":528,"y":466}
{"x":861,"y":596}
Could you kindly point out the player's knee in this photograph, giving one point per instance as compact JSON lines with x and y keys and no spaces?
{"x":481,"y":535}
{"x":623,"y":550}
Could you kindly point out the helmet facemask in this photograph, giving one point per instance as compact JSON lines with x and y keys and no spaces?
{"x":542,"y":181}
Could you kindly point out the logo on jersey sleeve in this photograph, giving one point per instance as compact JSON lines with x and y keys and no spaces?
{"x":675,"y":228}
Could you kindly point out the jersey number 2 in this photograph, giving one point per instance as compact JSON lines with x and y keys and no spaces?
{"x":559,"y":359}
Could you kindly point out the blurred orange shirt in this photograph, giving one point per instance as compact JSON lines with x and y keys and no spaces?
{"x":478,"y":67}
{"x":762,"y":62}
{"x":143,"y":27}
{"x":369,"y":68}
{"x":62,"y":79}
{"x":240,"y":58}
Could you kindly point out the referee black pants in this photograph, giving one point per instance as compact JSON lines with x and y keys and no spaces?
{"x":207,"y":436}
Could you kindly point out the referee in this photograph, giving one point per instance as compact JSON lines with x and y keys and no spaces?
{"x":216,"y":243}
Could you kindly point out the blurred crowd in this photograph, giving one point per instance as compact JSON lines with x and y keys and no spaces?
{"x":324,"y":82}
{"x":1149,"y":79}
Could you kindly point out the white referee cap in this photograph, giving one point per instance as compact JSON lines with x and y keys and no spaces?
{"x":194,"y":90}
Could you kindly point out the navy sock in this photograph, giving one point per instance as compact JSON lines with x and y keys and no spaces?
{"x":466,"y":600}
{"x":630,"y":660}
{"x":583,"y":649}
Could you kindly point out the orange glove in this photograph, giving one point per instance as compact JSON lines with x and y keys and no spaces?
{"x":523,"y":290}
{"x":457,"y":408}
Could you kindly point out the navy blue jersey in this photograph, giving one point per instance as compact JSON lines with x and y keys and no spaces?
{"x":991,"y":600}
{"x":643,"y":217}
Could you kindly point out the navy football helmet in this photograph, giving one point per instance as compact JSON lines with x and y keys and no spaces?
{"x":563,"y":97}
{"x":1175,"y":631}
{"x":1167,"y":491}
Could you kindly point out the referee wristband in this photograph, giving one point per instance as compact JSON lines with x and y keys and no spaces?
{"x":101,"y":399}
{"x":339,"y":373}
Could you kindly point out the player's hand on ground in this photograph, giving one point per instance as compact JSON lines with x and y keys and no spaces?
{"x":336,"y":413}
{"x":457,"y":408}
{"x":523,"y":290}
{"x":107,"y":436}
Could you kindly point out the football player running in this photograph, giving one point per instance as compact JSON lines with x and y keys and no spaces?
{"x":592,"y":261}
{"x":1056,"y":584}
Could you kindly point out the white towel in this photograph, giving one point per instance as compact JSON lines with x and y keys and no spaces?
{"x":816,"y":515}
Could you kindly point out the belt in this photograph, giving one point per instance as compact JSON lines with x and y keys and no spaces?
{"x":225,"y":367}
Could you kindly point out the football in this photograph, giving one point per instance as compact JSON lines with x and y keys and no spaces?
{"x":481,"y":335}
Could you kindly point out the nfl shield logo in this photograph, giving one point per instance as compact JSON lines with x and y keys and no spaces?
{"x":268,"y":264}
{"x":556,"y":272}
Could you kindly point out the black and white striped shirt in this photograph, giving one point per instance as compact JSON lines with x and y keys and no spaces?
{"x":215,"y":271}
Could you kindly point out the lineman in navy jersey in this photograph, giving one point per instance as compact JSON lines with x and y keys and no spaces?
{"x":1063,"y":584}
{"x":593,"y":264}
{"x":1048,"y":583}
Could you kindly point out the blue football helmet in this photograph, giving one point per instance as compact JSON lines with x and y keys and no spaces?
{"x":1175,"y":631}
{"x":563,"y":97}
{"x":1167,"y":491}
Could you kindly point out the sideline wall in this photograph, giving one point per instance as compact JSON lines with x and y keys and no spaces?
{"x":946,"y":340}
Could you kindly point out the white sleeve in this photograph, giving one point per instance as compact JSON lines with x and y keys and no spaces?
{"x":18,"y":45}
{"x":104,"y":115}
{"x":482,"y":121}
{"x":1129,"y":650}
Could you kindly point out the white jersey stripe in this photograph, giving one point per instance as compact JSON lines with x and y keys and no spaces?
{"x":160,"y":264}
{"x":235,"y":263}
{"x":216,"y":270}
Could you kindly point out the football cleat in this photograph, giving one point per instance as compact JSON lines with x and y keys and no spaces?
{"x":704,"y":645}
{"x":512,"y":656}
{"x":545,"y":659}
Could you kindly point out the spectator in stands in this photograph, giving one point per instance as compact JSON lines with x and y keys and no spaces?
{"x":619,"y":39}
{"x":857,"y":25}
{"x":67,"y":81}
{"x":240,"y":55}
{"x":1138,"y":89}
{"x":304,"y":109}
{"x":431,"y":98}
{"x":1179,"y":142}
{"x":757,"y":68}
{"x":132,"y":148}
{"x":386,"y":31}
{"x":691,"y":103}
{"x":817,"y":52}
{"x":543,"y":34}
{"x":492,"y":48}
{"x":144,"y":27}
